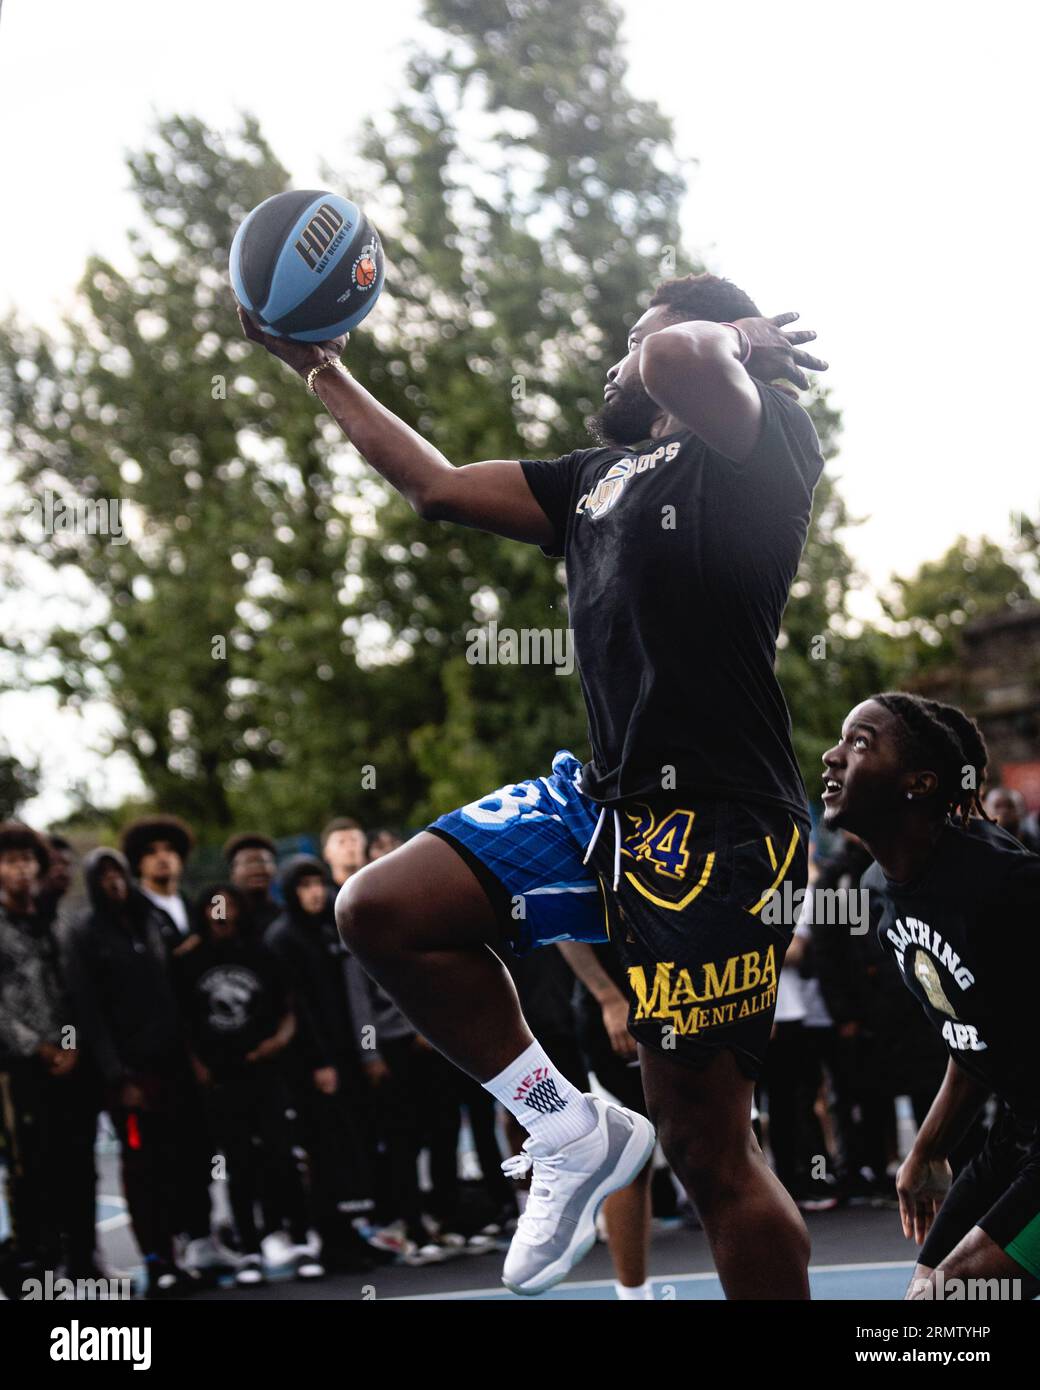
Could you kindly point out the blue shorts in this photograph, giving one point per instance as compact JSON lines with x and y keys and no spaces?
{"x":532,"y":837}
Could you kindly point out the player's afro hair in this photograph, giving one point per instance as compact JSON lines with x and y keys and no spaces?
{"x":141,"y":833}
{"x":15,"y":834}
{"x":705,"y":297}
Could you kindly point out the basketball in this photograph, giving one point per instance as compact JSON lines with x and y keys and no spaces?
{"x":307,"y":265}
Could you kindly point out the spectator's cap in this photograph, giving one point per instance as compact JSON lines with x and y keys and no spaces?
{"x":141,"y":833}
{"x":248,"y":839}
{"x":339,"y":823}
{"x":15,"y":834}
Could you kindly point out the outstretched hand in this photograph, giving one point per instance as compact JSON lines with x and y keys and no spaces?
{"x":301,"y":357}
{"x":776,"y":355}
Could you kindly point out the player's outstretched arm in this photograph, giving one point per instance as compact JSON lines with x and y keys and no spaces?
{"x":924,"y":1176}
{"x":701,"y":373}
{"x":492,"y":496}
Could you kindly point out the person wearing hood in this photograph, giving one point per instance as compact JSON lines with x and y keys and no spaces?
{"x":51,"y":1172}
{"x":326,"y":1074}
{"x":119,"y":975}
{"x":238,"y":1021}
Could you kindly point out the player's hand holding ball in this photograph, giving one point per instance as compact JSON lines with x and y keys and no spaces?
{"x":306,"y":267}
{"x":301,"y":357}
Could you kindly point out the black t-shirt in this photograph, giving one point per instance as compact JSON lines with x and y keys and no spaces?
{"x":679,"y":563}
{"x":233,"y":997}
{"x":966,"y":938}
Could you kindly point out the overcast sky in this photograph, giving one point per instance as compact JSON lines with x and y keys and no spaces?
{"x":870,"y":166}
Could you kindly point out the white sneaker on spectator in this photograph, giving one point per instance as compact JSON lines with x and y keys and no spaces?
{"x":206,"y":1255}
{"x":392,"y":1238}
{"x":277,"y":1250}
{"x":250,"y":1271}
{"x":306,"y":1264}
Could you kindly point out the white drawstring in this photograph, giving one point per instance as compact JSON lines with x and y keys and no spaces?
{"x":617,"y":843}
{"x":595,"y":834}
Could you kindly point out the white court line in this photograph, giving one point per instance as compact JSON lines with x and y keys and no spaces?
{"x":654,"y":1279}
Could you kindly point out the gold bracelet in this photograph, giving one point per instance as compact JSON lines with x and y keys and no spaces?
{"x":329,"y":362}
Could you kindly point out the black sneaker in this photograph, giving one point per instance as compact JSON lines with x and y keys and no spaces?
{"x":816,"y":1194}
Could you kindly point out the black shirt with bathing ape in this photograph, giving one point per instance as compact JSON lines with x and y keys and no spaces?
{"x":679,"y":563}
{"x":966,"y":938}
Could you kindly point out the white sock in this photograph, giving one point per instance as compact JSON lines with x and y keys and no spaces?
{"x":635,"y":1291}
{"x":542,"y":1100}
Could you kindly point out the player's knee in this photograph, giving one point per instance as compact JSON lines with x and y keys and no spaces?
{"x":364,"y":916}
{"x":705,"y":1169}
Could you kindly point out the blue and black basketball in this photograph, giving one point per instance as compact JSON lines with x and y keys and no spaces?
{"x":307,"y":265}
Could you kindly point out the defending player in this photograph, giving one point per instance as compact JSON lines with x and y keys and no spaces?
{"x":957,"y":901}
{"x":682,"y":534}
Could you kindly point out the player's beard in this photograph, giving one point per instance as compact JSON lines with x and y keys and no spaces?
{"x":627,"y":417}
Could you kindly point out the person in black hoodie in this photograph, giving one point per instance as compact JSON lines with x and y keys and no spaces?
{"x":50,"y":1156}
{"x":119,"y":976}
{"x":326,"y":1074}
{"x":238,"y":1022}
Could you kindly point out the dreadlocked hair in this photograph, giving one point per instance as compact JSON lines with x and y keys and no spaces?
{"x":944,"y":736}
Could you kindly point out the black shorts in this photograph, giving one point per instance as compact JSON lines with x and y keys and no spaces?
{"x":705,"y":906}
{"x":999,"y":1191}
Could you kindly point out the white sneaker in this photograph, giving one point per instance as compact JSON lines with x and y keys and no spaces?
{"x":250,"y":1271}
{"x":206,"y":1255}
{"x":306,"y":1264}
{"x":277,"y":1250}
{"x":558,"y":1225}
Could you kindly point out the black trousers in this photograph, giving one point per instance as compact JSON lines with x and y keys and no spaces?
{"x":416,"y":1107}
{"x":249,"y":1121}
{"x":164,"y":1145}
{"x":791,"y":1078}
{"x":51,"y":1123}
{"x":335,"y":1132}
{"x":863,"y":1108}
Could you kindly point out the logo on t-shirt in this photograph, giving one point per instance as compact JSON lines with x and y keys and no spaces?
{"x":605,"y":496}
{"x":229,"y":992}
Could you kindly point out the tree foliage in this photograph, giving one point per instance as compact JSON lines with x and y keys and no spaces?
{"x":280,"y":636}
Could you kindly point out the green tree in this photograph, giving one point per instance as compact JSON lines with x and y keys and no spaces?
{"x":281,"y":637}
{"x":18,"y":784}
{"x":929,"y":608}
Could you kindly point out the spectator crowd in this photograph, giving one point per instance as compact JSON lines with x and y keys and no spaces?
{"x":232,"y":1039}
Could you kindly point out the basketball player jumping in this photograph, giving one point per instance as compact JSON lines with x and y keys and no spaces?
{"x":681,"y":534}
{"x":957,"y":902}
